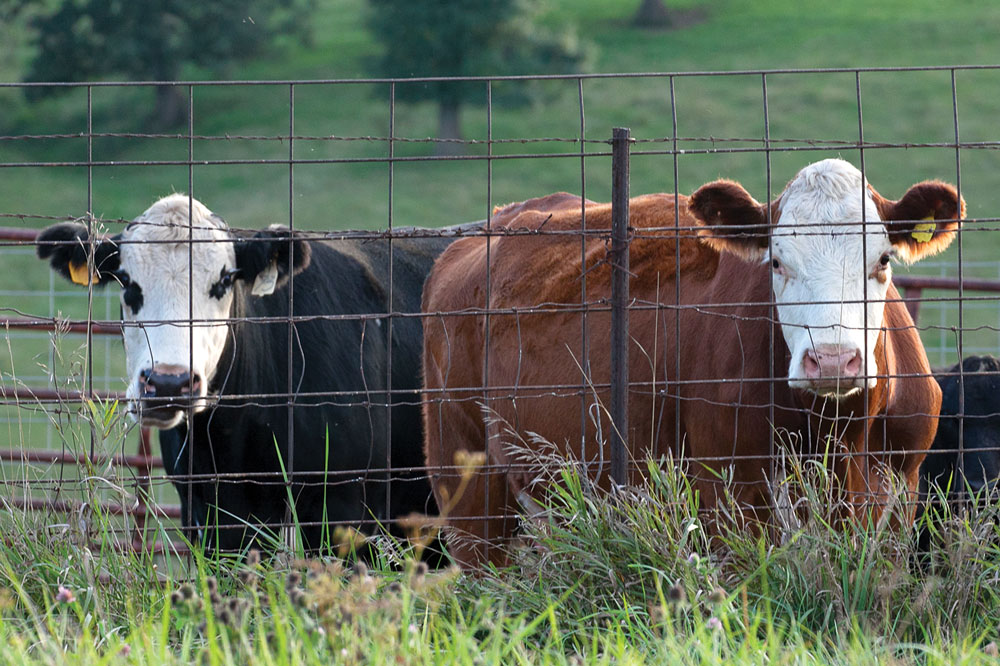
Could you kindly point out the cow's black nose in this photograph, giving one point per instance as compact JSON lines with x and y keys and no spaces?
{"x":169,"y":384}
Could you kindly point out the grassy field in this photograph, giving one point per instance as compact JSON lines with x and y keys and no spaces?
{"x":627,"y":578}
{"x":597,"y":591}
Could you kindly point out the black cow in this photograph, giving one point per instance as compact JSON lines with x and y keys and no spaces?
{"x":246,"y":360}
{"x":973,"y":474}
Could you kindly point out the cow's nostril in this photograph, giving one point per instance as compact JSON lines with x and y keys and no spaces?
{"x":193,"y":385}
{"x":853,"y":367}
{"x":810,"y":364}
{"x":145,"y":386}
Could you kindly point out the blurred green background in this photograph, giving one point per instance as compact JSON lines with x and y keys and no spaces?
{"x":352,"y":120}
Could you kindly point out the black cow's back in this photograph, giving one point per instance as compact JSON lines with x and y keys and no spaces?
{"x":338,"y":364}
{"x":956,"y":465}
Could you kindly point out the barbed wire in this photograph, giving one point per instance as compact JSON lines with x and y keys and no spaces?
{"x":376,"y":401}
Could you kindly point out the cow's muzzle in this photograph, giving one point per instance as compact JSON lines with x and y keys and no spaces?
{"x":830,"y":368}
{"x":165,"y":392}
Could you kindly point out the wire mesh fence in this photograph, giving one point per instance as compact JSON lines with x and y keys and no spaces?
{"x":289,"y":372}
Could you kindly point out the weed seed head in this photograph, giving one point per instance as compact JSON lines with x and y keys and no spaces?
{"x":717,"y":596}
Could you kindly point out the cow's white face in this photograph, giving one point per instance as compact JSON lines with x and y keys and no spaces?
{"x":168,"y":357}
{"x":830,"y":278}
{"x":831,"y":274}
{"x":177,"y":279}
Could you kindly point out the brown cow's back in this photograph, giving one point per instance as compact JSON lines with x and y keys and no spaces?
{"x":535,"y":367}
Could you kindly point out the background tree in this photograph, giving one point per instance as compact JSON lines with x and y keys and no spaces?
{"x":152,"y":41}
{"x":464,"y":38}
{"x":652,"y":14}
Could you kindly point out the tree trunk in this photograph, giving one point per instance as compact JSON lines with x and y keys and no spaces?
{"x":171,"y":107}
{"x":652,"y":14}
{"x":449,"y":127}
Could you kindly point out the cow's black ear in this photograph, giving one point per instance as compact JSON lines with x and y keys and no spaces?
{"x":66,"y":246}
{"x":266,"y":258}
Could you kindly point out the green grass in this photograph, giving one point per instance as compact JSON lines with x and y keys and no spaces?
{"x":628,"y":577}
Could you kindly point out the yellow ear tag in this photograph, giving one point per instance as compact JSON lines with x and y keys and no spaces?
{"x":925,"y":231}
{"x":78,"y":273}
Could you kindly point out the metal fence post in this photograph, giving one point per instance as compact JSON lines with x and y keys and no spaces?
{"x":621,"y":138}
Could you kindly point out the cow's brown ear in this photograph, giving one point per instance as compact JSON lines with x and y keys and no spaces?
{"x":924,"y":221}
{"x":730,"y":220}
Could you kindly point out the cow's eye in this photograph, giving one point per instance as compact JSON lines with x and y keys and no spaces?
{"x":884,"y":259}
{"x":224,"y":283}
{"x":123,"y":278}
{"x":775,"y":264}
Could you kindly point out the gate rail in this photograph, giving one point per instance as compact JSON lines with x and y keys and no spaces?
{"x":912,"y":287}
{"x":143,"y":462}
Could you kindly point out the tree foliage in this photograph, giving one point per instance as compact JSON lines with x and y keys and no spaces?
{"x":152,"y":40}
{"x":652,"y":14}
{"x":430,"y":38}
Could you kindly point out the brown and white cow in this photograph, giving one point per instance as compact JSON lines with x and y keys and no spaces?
{"x":855,"y":366}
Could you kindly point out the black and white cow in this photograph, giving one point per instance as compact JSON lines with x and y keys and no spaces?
{"x":206,"y":332}
{"x":966,"y":468}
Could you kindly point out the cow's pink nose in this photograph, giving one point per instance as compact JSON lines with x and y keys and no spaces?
{"x":831,"y":361}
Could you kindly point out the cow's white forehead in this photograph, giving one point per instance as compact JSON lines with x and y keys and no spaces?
{"x":822,"y":209}
{"x":827,"y":193}
{"x":164,"y":230}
